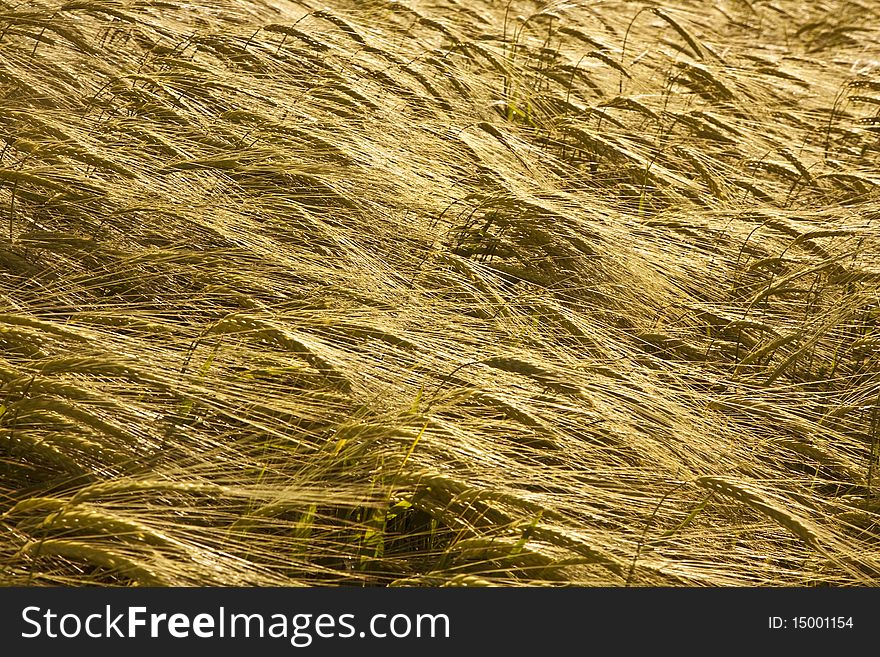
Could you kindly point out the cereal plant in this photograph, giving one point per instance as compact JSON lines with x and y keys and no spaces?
{"x":395,"y":293}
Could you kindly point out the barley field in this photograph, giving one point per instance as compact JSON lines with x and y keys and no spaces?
{"x":440,"y":293}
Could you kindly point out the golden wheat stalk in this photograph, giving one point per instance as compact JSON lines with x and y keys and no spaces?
{"x":753,"y":498}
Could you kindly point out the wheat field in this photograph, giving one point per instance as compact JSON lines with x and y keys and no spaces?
{"x":435,"y":293}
